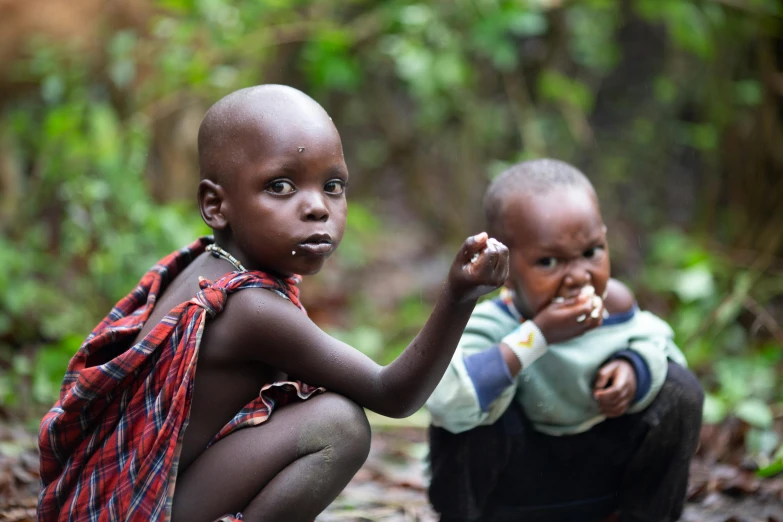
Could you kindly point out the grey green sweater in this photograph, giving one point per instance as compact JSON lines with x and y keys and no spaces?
{"x":556,"y":391}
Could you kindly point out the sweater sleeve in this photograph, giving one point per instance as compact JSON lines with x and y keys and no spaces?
{"x":489,"y":374}
{"x":655,"y":348}
{"x":474,"y":391}
{"x":641,"y":371}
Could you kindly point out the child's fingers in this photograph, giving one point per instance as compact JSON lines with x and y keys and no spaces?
{"x":498,"y":253}
{"x":504,"y":265}
{"x":491,"y":261}
{"x":473,"y":246}
{"x":614,"y":411}
{"x":603,"y":377}
{"x":611,"y":395}
{"x":614,"y":400}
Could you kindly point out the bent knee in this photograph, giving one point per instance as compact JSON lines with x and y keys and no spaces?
{"x":684,"y":388}
{"x":679,"y":403}
{"x":339,"y":424}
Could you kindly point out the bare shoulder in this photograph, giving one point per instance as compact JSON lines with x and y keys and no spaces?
{"x":619,"y":298}
{"x":255,"y":313}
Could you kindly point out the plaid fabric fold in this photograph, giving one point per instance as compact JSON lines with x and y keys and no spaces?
{"x":110,"y":445}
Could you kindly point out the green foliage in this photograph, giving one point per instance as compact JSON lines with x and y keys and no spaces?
{"x":712,"y":315}
{"x":87,"y":229}
{"x":440,"y":95}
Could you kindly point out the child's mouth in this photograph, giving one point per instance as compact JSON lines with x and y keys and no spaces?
{"x":585,"y":290}
{"x":317,"y":245}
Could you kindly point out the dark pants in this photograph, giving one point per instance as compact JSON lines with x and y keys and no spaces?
{"x":510,"y":472}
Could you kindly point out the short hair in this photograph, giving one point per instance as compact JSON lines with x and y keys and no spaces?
{"x":533,"y":177}
{"x":218,"y":135}
{"x":221,"y":147}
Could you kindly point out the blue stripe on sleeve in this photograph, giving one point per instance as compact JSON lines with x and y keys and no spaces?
{"x":621,"y":317}
{"x":643,"y":376}
{"x":503,"y":306}
{"x":489,"y":374}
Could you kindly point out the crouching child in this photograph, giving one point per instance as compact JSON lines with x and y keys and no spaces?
{"x":563,"y":401}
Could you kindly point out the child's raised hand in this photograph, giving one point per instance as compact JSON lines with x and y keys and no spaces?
{"x":480,"y":267}
{"x":615,"y":387}
{"x":564,"y":319}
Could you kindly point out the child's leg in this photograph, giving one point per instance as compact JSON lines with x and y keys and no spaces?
{"x":289,"y":468}
{"x":509,"y":471}
{"x":465,"y":467}
{"x":657,"y":476}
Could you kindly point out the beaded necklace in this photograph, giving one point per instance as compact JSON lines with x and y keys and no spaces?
{"x":219,"y":252}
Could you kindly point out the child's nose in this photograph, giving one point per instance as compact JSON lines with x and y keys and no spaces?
{"x":315,"y":208}
{"x":577,"y":277}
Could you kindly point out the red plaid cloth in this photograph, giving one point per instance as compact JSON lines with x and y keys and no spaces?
{"x":110,"y":446}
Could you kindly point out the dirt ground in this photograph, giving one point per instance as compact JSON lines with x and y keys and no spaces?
{"x":390,"y":487}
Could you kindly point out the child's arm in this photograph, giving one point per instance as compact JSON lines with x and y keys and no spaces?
{"x":616,"y":382}
{"x":477,"y":387}
{"x":615,"y":387}
{"x":631,"y":379}
{"x":481,"y":381}
{"x":261,"y":326}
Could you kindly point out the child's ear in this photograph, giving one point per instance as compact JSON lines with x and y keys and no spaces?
{"x":212,"y":204}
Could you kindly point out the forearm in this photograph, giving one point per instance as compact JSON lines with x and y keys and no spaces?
{"x":406,"y":383}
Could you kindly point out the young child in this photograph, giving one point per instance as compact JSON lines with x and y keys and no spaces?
{"x":160,"y":392}
{"x":563,"y":401}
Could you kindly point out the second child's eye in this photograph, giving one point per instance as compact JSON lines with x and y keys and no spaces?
{"x":547,"y":262}
{"x":335,"y":186}
{"x":594,"y":252}
{"x":280,"y":186}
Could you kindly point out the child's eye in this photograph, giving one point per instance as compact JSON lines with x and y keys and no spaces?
{"x":591,"y":253}
{"x":547,"y":262}
{"x":335,"y":186}
{"x":280,"y":186}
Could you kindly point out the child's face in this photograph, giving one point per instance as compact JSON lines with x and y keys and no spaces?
{"x":287,"y":207}
{"x":557,"y":243}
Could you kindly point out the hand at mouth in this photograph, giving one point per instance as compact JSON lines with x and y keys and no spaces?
{"x":586,"y":291}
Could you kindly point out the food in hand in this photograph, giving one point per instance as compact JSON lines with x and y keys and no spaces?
{"x":490,"y":242}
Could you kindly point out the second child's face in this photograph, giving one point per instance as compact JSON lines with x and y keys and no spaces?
{"x":557,"y":243}
{"x":291,"y":199}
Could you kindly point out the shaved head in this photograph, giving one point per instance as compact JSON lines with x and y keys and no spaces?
{"x":529,"y":178}
{"x":236,"y":129}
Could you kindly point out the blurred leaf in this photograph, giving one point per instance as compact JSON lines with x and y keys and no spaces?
{"x":694,"y":283}
{"x":755,"y":412}
{"x":21,"y":365}
{"x":699,"y":136}
{"x":328,"y":62}
{"x":714,"y":409}
{"x":558,"y":87}
{"x":123,"y":66}
{"x":761,"y":441}
{"x":775,"y":467}
{"x":527,"y":23}
{"x":748,"y":92}
{"x":665,"y":89}
{"x":772,"y":470}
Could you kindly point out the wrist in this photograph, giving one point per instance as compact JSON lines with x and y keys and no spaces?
{"x":550,"y":332}
{"x":527,"y":343}
{"x":452,"y":295}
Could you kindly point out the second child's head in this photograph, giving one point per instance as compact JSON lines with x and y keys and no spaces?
{"x":273,"y":179}
{"x":547,"y":213}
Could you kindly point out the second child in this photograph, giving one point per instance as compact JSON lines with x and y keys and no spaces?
{"x":563,"y":400}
